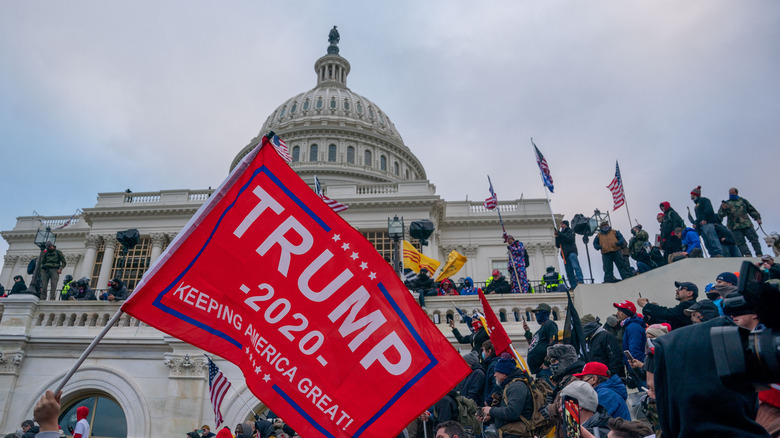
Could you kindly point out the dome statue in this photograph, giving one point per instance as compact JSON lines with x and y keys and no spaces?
{"x":337,"y":134}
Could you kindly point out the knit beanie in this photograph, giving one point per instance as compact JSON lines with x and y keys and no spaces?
{"x":505,"y":365}
{"x":471,"y":358}
{"x":612,"y":321}
{"x":696,"y":191}
{"x":588,"y":317}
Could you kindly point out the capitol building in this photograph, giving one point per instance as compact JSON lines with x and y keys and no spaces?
{"x":140,"y":382}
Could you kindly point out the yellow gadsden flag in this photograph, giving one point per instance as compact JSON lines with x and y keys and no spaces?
{"x":455,"y":261}
{"x":415,"y":260}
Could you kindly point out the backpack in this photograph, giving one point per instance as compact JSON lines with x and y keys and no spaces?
{"x":31,"y":266}
{"x":467,"y":418}
{"x":537,"y":425}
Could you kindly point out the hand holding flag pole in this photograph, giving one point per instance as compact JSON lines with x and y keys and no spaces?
{"x":493,"y":201}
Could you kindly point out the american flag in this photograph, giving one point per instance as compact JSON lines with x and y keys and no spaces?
{"x":334,"y":205}
{"x":280,"y":146}
{"x":218,"y":386}
{"x":616,"y":187}
{"x":544,"y":168}
{"x":492,"y":202}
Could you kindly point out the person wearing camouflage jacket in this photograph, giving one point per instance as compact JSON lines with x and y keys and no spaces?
{"x":738,"y":212}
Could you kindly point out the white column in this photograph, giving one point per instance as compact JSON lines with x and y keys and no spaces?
{"x":91,"y":244}
{"x":158,"y":240}
{"x":108,"y":259}
{"x":9,"y":266}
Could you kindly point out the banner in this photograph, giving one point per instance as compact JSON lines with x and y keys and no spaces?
{"x":415,"y":260}
{"x":498,"y":336}
{"x":268,"y":277}
{"x":455,"y":261}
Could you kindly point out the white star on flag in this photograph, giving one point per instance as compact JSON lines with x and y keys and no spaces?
{"x":363,"y":265}
{"x":336,"y":237}
{"x":267,"y":378}
{"x":372,"y":275}
{"x":257,"y":370}
{"x":354,"y":256}
{"x":345,"y":246}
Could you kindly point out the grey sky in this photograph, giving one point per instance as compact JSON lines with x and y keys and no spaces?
{"x":103,"y":96}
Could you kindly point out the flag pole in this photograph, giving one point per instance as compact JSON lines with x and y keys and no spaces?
{"x":547,"y":195}
{"x":508,"y":251}
{"x":625,"y":198}
{"x":89,"y":349}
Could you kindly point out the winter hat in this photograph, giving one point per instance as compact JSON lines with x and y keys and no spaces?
{"x":588,"y":317}
{"x":471,"y":358}
{"x":604,"y":223}
{"x":659,"y":215}
{"x":696,"y":191}
{"x":595,"y":369}
{"x":612,"y":321}
{"x":728,"y":277}
{"x":584,"y":393}
{"x":565,"y":223}
{"x":505,"y":365}
{"x":565,"y":354}
{"x":657,"y":330}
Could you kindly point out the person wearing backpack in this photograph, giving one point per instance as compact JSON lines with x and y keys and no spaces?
{"x":516,"y":406}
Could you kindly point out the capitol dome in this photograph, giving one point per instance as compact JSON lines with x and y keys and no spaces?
{"x":337,"y":134}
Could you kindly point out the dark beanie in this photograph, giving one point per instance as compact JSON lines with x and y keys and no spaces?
{"x":505,"y":365}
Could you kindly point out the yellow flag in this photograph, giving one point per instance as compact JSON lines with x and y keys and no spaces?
{"x":415,"y":260}
{"x":455,"y":261}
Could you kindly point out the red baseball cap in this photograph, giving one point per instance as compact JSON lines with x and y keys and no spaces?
{"x":594,"y":368}
{"x":628,"y":305}
{"x":496,"y":272}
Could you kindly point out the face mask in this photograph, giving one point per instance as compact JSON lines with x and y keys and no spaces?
{"x":712,"y":296}
{"x":483,"y":355}
{"x":604,"y":229}
{"x":733,"y":197}
{"x":554,"y":367}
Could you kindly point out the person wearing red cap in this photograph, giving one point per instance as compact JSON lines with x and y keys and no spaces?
{"x":705,"y":222}
{"x":498,"y":284}
{"x":634,"y":333}
{"x":610,"y":389}
{"x":671,"y":220}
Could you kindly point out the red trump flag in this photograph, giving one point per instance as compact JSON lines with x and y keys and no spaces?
{"x":268,"y":277}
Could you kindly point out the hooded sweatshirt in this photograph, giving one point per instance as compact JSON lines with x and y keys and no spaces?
{"x":612,"y":395}
{"x":82,"y":427}
{"x":468,"y":287}
{"x":224,"y":433}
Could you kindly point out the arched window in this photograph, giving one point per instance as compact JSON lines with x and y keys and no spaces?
{"x":367,"y":158}
{"x":350,"y":154}
{"x":332,"y":152}
{"x":106,"y":418}
{"x":382,"y":162}
{"x":396,"y":168}
{"x":313,"y":152}
{"x":296,"y":155}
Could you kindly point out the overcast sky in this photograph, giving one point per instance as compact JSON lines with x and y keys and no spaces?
{"x":102,"y":96}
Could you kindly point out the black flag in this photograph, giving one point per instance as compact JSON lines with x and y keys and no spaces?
{"x":572,"y":331}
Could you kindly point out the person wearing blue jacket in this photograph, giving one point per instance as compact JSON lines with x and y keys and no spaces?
{"x":611,"y":390}
{"x":690,"y":241}
{"x":634,"y":336}
{"x":468,"y":287}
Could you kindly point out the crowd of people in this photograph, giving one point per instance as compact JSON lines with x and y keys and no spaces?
{"x":637,"y":349}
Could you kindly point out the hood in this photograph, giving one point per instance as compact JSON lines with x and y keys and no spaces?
{"x":665,"y":206}
{"x":265,"y":428}
{"x":82,"y":412}
{"x":447,"y":281}
{"x":224,"y":433}
{"x":615,"y":385}
{"x":633,"y":320}
{"x":468,"y":282}
{"x":591,"y":329}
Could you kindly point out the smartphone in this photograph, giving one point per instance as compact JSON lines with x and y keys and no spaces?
{"x":640,"y":294}
{"x":571,"y":417}
{"x":628,"y":355}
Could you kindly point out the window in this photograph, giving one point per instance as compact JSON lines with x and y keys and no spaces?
{"x":296,"y":155}
{"x":367,"y":158}
{"x":383,"y":162}
{"x":332,"y":152}
{"x":406,"y":173}
{"x":333,"y":103}
{"x":359,"y":108}
{"x":313,"y":152}
{"x":350,"y":154}
{"x":319,"y":103}
{"x":294,"y":107}
{"x":501,"y":265}
{"x":306,"y":105}
{"x":381,"y":119}
{"x":371,"y":113}
{"x":346,"y":105}
{"x":106,"y":418}
{"x":281,"y":114}
{"x":396,"y":169}
{"x":136,"y":262}
{"x":384,"y":244}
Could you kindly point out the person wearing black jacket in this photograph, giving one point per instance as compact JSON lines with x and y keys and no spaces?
{"x":565,"y":240}
{"x":476,"y":339}
{"x":705,"y":222}
{"x":19,"y":286}
{"x":424,"y":286}
{"x":489,"y":360}
{"x":538,"y":342}
{"x":686,"y":293}
{"x":690,"y":397}
{"x":498,"y":285}
{"x":516,"y":399}
{"x":603,"y":345}
{"x":474,"y":384}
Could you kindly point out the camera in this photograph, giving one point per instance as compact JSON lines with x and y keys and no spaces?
{"x":749,"y":361}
